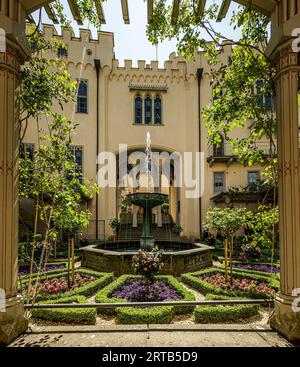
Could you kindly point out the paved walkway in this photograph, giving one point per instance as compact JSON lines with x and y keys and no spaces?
{"x":228,"y":335}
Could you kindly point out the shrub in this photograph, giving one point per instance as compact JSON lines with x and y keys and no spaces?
{"x":147,"y":264}
{"x":67,"y":315}
{"x":153,"y":315}
{"x":130,"y":315}
{"x":222,"y":313}
{"x":194,"y":281}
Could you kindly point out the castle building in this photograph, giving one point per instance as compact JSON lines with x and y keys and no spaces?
{"x":120,"y":105}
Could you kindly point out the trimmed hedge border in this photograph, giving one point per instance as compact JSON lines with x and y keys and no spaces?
{"x":153,"y":315}
{"x":220,"y":313}
{"x":67,"y":315}
{"x":87,"y":290}
{"x":193,"y":280}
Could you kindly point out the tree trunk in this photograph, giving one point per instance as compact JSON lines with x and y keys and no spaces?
{"x":226,"y":258}
{"x":73,"y":261}
{"x":33,"y":248}
{"x":55,"y":249}
{"x":231,"y":256}
{"x":69,"y":261}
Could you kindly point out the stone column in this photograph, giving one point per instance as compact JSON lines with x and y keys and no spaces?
{"x":134,"y":217}
{"x":159,"y":217}
{"x":12,"y":320}
{"x":285,"y":320}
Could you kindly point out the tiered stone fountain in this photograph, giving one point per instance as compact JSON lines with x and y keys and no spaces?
{"x":116,"y":256}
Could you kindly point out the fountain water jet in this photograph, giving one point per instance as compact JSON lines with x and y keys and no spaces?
{"x":147,"y":200}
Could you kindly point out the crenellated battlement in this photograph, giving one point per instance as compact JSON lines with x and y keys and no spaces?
{"x":83,"y":49}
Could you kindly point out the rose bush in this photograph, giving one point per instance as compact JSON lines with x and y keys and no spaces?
{"x":242,"y":284}
{"x":60,"y":285}
{"x":148,"y":264}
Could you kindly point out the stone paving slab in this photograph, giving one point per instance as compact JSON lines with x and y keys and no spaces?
{"x":218,"y":335}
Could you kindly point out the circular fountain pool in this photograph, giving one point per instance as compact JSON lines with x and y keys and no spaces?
{"x":116,"y":256}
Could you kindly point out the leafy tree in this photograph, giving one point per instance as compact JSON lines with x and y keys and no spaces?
{"x":227,"y":222}
{"x":243,"y":92}
{"x":49,"y":178}
{"x":263,"y":226}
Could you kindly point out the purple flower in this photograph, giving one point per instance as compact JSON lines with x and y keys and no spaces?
{"x":140,"y":290}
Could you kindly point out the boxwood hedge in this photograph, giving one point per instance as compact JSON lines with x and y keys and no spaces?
{"x":102,"y":279}
{"x":193,"y":280}
{"x":223,"y":313}
{"x":153,"y":315}
{"x":67,"y":315}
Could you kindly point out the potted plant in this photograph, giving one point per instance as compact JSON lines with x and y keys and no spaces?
{"x":115,"y":225}
{"x":177,"y":229}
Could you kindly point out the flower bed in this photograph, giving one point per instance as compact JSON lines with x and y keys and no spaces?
{"x":60,"y":285}
{"x":262,"y":268}
{"x":122,"y":290}
{"x":237,"y":283}
{"x":67,"y":315}
{"x":139,"y":290}
{"x":244,"y":285}
{"x":88,"y":283}
{"x":223,"y":313}
{"x":24,"y":271}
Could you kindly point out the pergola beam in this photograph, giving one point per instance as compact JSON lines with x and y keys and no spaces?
{"x":223,"y":10}
{"x":30,"y":19}
{"x":200,"y":8}
{"x":75,"y":11}
{"x":265,"y":7}
{"x":175,"y":11}
{"x":150,"y":11}
{"x":51,"y":14}
{"x":125,"y":11}
{"x":100,"y":12}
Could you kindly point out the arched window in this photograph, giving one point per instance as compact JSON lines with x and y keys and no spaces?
{"x":157,"y":110}
{"x":148,"y":110}
{"x":138,"y":110}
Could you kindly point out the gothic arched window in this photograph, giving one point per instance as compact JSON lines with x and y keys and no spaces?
{"x":138,"y":110}
{"x":157,"y":110}
{"x":148,"y":110}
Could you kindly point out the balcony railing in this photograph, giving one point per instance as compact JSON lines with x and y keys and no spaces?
{"x":226,"y":154}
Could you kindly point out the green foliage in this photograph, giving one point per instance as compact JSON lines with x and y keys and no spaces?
{"x":114,"y":225}
{"x":153,"y":315}
{"x":130,"y":315}
{"x":225,"y":221}
{"x":193,"y":280}
{"x":177,"y":229}
{"x":223,"y":313}
{"x":238,"y":87}
{"x":50,"y":179}
{"x":148,"y":264}
{"x":87,"y":11}
{"x":67,"y":315}
{"x":263,"y":225}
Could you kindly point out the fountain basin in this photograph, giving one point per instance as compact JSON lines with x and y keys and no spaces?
{"x":147,"y":201}
{"x":116,"y":256}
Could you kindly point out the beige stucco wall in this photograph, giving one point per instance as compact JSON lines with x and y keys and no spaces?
{"x":179,"y":130}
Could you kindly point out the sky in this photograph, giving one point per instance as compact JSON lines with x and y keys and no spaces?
{"x":130,"y":39}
